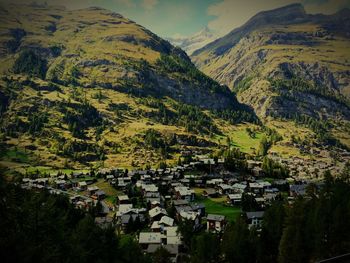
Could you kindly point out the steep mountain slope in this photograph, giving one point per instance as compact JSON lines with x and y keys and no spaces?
{"x":89,"y":86}
{"x":194,"y":42}
{"x":286,"y":63}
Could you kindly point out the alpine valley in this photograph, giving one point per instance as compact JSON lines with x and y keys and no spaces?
{"x":89,"y":87}
{"x":119,"y":146}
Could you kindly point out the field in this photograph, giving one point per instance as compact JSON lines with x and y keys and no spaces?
{"x":217,"y":206}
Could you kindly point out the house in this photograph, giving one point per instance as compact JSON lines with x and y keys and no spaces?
{"x":239,"y":187}
{"x":199,"y":208}
{"x":251,"y":164}
{"x":109,"y":177}
{"x":172,"y":235}
{"x":192,"y":216}
{"x":60,"y":184}
{"x":258,"y":171}
{"x":152,"y":197}
{"x":214,"y":182}
{"x":255,"y":218}
{"x":256,"y":188}
{"x":216,"y":222}
{"x":149,"y":238}
{"x":224,"y":189}
{"x":82,"y":185}
{"x":99,"y":195}
{"x":234,"y":199}
{"x":124,"y":208}
{"x":180,"y":202}
{"x":123,"y":199}
{"x":166,"y":221}
{"x":92,"y":189}
{"x":157,"y":213}
{"x":149,"y":188}
{"x":184,"y":193}
{"x":210,"y":192}
{"x":131,"y":216}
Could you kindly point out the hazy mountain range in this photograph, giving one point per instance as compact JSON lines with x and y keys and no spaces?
{"x":194,"y":42}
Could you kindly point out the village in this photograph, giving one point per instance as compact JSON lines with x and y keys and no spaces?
{"x":152,"y":203}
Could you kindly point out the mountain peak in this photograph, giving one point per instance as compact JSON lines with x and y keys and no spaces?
{"x":285,"y":14}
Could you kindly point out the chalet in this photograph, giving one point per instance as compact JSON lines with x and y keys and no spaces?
{"x":234,"y":199}
{"x":124,"y":208}
{"x":256,"y":188}
{"x":192,"y":216}
{"x":131,"y":216}
{"x":210,"y":192}
{"x":179,"y":209}
{"x":149,"y":238}
{"x":92,"y":190}
{"x":224,"y":189}
{"x":198,"y":208}
{"x":258,"y":171}
{"x":155,"y":226}
{"x":215,"y":182}
{"x":60,"y":184}
{"x":42,"y":181}
{"x":172,"y":235}
{"x":123,"y":199}
{"x":157,"y":213}
{"x":82,"y":185}
{"x":185,"y":181}
{"x":180,"y":202}
{"x":199,"y":183}
{"x":109,"y":177}
{"x":166,"y":221}
{"x":255,"y":218}
{"x":149,"y":188}
{"x":239,"y":187}
{"x":152,"y":197}
{"x":251,"y":164}
{"x":215,"y":222}
{"x":99,"y":195}
{"x":184,"y":193}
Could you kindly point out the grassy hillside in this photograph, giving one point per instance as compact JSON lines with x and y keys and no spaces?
{"x":288,"y":65}
{"x":91,"y":88}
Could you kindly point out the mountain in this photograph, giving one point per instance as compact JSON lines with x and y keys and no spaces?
{"x":285,"y":59}
{"x":194,"y":42}
{"x":89,"y":86}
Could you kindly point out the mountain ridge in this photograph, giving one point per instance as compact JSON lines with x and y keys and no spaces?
{"x":88,"y":86}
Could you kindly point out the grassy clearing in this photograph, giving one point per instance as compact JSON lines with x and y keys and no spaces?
{"x":106,"y":187}
{"x":218,"y":206}
{"x":15,"y":155}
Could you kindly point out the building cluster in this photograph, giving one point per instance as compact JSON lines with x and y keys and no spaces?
{"x":157,"y":201}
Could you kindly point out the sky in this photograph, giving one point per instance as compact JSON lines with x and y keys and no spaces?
{"x":175,"y":18}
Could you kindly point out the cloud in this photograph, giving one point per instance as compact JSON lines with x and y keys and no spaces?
{"x":231,"y":14}
{"x":325,"y":6}
{"x":149,"y":4}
